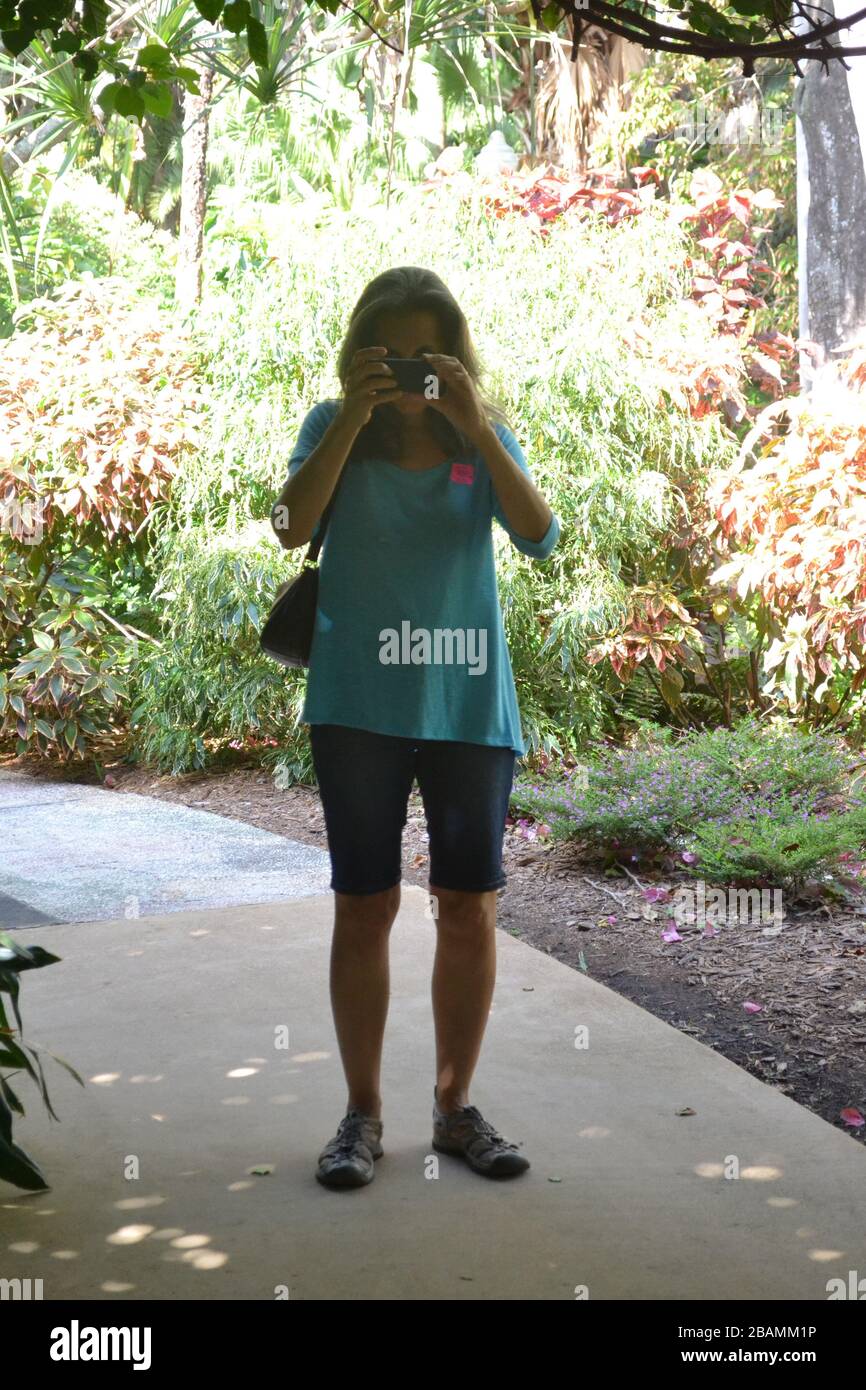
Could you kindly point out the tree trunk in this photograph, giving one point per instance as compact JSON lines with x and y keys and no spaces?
{"x":574,"y":100}
{"x":831,"y":204}
{"x":193,"y":193}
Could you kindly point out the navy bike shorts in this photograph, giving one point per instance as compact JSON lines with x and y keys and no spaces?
{"x":365,"y":780}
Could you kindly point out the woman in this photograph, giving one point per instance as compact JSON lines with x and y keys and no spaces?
{"x":410,"y":678}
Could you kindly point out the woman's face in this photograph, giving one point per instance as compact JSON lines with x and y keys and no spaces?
{"x":410,"y":335}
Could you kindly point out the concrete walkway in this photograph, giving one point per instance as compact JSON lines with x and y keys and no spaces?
{"x":75,"y":853}
{"x":175,"y":1022}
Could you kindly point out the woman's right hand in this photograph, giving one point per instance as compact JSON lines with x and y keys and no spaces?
{"x":369,"y":383}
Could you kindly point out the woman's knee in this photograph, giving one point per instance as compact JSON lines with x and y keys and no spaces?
{"x":464,"y":913}
{"x":368,"y":911}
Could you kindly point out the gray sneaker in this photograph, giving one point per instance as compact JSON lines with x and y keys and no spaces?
{"x":467,"y":1135}
{"x":347,"y":1160}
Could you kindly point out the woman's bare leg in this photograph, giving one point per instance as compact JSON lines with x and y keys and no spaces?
{"x":360,"y":989}
{"x":464,"y":975}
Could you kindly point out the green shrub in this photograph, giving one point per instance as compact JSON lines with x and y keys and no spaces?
{"x":786,"y":848}
{"x":88,"y":233}
{"x":84,"y":460}
{"x":64,"y":692}
{"x":751,"y":798}
{"x":208,"y":685}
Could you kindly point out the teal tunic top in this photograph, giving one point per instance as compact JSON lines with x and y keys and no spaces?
{"x":409,"y":638}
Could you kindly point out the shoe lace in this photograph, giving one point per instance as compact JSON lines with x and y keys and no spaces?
{"x":486,"y":1128}
{"x":348,"y":1134}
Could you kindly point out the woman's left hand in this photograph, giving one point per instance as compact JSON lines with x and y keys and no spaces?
{"x":460,"y":404}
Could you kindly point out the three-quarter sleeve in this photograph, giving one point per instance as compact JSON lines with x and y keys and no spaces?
{"x":537,"y":550}
{"x":311,"y":433}
{"x":310,"y":436}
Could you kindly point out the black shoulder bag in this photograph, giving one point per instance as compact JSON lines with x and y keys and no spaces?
{"x":287,"y":635}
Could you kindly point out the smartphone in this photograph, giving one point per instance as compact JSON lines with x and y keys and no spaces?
{"x":413,"y":375}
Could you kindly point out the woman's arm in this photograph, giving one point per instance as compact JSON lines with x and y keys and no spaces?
{"x":523,"y":506}
{"x":307,"y":493}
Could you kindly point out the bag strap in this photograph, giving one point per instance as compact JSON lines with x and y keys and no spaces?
{"x":316,"y":544}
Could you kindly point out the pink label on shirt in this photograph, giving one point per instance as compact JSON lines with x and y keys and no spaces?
{"x":462,"y":473}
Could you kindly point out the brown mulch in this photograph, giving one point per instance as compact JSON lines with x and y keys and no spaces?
{"x":807,"y":972}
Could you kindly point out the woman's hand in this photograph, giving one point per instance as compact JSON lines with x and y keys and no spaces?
{"x":369,"y":383}
{"x":460,"y":404}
